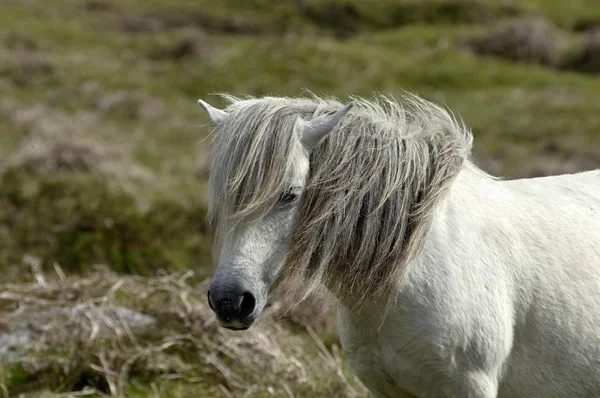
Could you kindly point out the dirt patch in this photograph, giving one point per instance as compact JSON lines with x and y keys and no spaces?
{"x":530,"y":40}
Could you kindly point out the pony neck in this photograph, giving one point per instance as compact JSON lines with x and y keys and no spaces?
{"x":470,"y":182}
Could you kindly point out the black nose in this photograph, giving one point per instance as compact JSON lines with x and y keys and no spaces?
{"x":230,"y":306}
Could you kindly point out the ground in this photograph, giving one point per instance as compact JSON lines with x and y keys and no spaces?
{"x":103,"y":159}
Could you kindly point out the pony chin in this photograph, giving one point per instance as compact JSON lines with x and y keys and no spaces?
{"x":235,"y":325}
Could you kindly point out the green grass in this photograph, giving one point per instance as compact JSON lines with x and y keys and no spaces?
{"x":77,"y":220}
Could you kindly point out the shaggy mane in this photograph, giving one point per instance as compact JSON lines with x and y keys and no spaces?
{"x":373,"y":184}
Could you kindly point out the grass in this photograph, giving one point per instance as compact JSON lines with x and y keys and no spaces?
{"x":180,"y":352}
{"x":103,"y":157}
{"x":77,"y":220}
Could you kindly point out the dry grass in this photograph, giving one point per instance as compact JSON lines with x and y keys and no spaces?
{"x":528,"y":40}
{"x":108,"y":356}
{"x":42,"y":156}
{"x":48,"y":142}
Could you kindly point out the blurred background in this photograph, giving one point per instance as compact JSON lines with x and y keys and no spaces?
{"x":104,"y":248}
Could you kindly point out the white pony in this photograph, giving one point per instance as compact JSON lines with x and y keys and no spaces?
{"x":450,"y":283}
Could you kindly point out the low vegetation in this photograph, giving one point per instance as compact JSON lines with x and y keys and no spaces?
{"x":587,"y":59}
{"x":76,"y":335}
{"x":103,"y":165}
{"x":524,"y":40}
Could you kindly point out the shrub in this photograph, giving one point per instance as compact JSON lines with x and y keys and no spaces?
{"x":587,"y":60}
{"x":77,"y":220}
{"x":530,"y":40}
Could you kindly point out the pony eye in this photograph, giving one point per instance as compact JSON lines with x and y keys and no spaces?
{"x":290,"y":195}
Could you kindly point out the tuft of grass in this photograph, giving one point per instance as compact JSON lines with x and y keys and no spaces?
{"x":40,"y":156}
{"x":24,"y":69}
{"x":530,"y":40}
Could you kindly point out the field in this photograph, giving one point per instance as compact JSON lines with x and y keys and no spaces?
{"x":104,"y":248}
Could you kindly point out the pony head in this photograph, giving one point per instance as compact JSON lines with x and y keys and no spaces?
{"x":259,"y":172}
{"x":335,"y":196}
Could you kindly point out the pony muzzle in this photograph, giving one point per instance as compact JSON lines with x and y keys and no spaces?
{"x":233,"y":310}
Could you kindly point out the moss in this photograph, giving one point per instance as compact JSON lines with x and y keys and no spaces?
{"x":12,"y":376}
{"x":174,"y":389}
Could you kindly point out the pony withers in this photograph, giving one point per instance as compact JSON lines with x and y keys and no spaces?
{"x":448,"y":282}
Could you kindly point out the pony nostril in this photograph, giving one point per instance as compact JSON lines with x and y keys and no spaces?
{"x":210,"y":303}
{"x":247,"y":304}
{"x":229,"y":305}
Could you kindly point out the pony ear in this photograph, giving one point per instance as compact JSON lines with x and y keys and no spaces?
{"x":314,"y":131}
{"x":215,"y":115}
